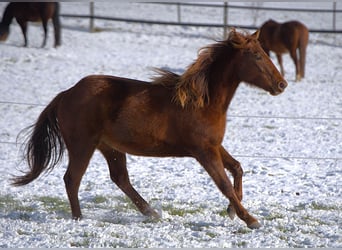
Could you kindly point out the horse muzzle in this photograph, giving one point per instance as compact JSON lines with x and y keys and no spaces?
{"x":279,"y":88}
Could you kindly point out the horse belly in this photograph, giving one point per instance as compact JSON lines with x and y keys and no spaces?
{"x":136,"y":139}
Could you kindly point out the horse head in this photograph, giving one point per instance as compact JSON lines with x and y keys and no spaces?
{"x":253,"y":65}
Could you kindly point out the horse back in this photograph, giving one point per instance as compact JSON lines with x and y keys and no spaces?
{"x":292,"y":33}
{"x":282,"y":37}
{"x":134,"y":116}
{"x":33,"y":11}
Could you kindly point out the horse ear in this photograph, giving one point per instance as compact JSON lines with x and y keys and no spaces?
{"x":256,"y":34}
{"x":235,"y":40}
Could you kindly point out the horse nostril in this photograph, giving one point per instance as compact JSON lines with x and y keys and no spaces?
{"x":282,"y":85}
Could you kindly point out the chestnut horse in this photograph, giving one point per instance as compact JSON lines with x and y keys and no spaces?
{"x":174,"y":115}
{"x":31,"y":12}
{"x":286,"y":37}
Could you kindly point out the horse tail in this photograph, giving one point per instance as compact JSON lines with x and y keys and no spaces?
{"x":45,"y":145}
{"x":303,"y":42}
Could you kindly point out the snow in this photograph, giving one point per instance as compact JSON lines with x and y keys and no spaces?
{"x":290,"y":146}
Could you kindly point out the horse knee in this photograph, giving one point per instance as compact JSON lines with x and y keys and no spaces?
{"x":121,"y":181}
{"x":227,"y":190}
{"x":237,"y":170}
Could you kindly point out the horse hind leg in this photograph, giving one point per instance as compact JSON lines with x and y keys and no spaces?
{"x":302,"y":52}
{"x":119,"y":175}
{"x":78,"y":163}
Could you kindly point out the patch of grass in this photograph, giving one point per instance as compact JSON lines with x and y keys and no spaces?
{"x":8,"y":201}
{"x":223,"y":212}
{"x":22,"y":232}
{"x":211,"y":234}
{"x":243,"y":230}
{"x":173,"y":210}
{"x":270,"y":127}
{"x":314,"y":221}
{"x":274,"y":216}
{"x":100,"y":199}
{"x":320,"y":206}
{"x":283,"y":229}
{"x":85,"y":241}
{"x":13,"y":207}
{"x":54,"y":204}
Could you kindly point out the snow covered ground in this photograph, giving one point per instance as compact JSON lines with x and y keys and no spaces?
{"x":290,"y":146}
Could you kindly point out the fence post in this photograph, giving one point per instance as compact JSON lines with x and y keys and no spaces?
{"x":91,"y":20}
{"x":225,"y":19}
{"x":179,"y":12}
{"x":334,"y":16}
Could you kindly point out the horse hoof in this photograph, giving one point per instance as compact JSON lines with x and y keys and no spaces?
{"x":77,"y":218}
{"x":254,"y":225}
{"x":152,"y":214}
{"x":231,"y":212}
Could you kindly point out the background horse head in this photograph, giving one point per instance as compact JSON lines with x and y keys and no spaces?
{"x":289,"y":37}
{"x":31,"y":12}
{"x":175,"y":115}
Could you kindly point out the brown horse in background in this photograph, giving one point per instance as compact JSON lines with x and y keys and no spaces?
{"x":31,"y":12}
{"x":283,"y":38}
{"x":175,"y":115}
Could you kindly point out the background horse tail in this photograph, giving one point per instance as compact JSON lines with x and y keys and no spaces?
{"x":45,"y":145}
{"x":303,"y":42}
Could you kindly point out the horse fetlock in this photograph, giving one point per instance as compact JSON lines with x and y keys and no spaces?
{"x":253,"y":223}
{"x":150,"y":212}
{"x":77,"y":217}
{"x":231,"y":212}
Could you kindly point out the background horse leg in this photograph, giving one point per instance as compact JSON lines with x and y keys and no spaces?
{"x":23,"y":26}
{"x":57,"y":26}
{"x":280,"y":61}
{"x":293,"y":54}
{"x":234,"y":167}
{"x":57,"y":31}
{"x":119,"y":175}
{"x":302,"y":52}
{"x":79,"y":157}
{"x":45,"y":27}
{"x":211,"y":161}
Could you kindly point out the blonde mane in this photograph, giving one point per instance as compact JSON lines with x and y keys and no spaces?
{"x":191,"y":88}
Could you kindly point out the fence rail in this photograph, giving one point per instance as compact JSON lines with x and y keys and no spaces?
{"x":224,"y":25}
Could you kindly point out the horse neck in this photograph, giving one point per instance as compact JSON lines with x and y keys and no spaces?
{"x":222,"y":86}
{"x":8,"y":15}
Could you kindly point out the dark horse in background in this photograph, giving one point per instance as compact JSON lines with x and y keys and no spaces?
{"x":25,"y":12}
{"x":174,"y":115}
{"x":289,"y":37}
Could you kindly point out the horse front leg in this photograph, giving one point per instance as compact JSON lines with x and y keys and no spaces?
{"x":212,"y":162}
{"x":119,"y":175}
{"x":293,"y":54}
{"x":234,"y":167}
{"x":23,"y":26}
{"x":45,"y":32}
{"x":280,"y":62}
